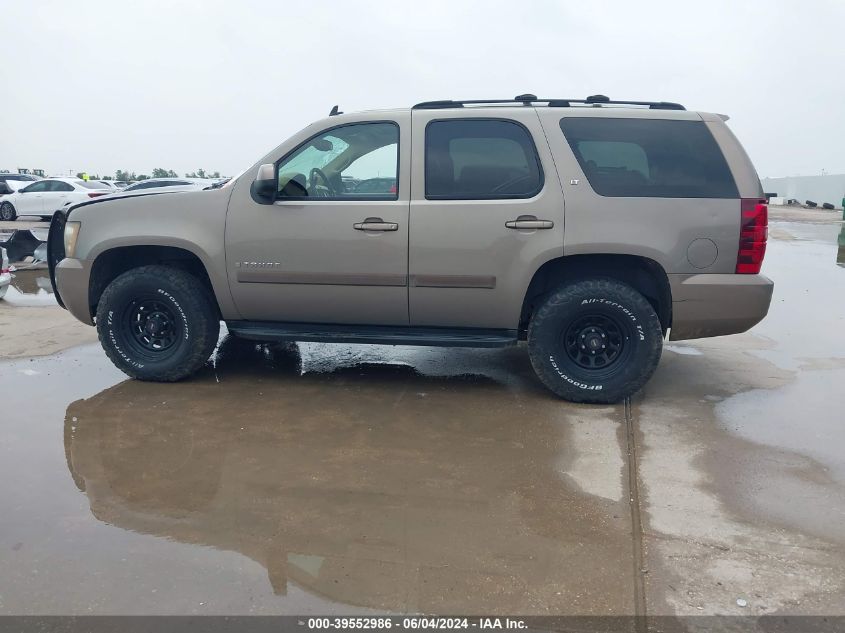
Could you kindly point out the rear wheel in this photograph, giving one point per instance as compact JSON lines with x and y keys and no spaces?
{"x":157,"y":323}
{"x":7,"y":212}
{"x":596,"y":340}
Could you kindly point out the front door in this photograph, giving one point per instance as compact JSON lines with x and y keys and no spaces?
{"x":30,"y":199}
{"x":333,"y":246}
{"x":486,"y":213}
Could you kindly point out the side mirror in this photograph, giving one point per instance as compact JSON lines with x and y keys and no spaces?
{"x":263,"y":188}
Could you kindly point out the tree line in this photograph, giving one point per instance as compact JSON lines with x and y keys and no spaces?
{"x":158,"y":172}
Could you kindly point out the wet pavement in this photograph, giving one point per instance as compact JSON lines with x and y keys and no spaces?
{"x":348,"y":479}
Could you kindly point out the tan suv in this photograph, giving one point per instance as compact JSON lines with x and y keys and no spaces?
{"x":590,"y":228}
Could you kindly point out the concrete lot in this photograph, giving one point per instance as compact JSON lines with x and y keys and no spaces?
{"x":347,"y":479}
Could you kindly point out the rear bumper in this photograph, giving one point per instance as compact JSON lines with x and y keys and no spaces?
{"x":714,"y":305}
{"x":72,"y":278}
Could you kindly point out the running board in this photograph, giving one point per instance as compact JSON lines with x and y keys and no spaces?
{"x":373,"y":335}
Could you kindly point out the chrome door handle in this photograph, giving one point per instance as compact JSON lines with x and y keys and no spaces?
{"x":375,"y":224}
{"x":529,"y":222}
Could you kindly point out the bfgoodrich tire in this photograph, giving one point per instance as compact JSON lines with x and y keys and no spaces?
{"x":157,"y":323}
{"x":596,"y":340}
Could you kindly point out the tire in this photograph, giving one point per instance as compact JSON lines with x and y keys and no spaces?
{"x":157,"y":323}
{"x":7,"y":212}
{"x":579,"y":314}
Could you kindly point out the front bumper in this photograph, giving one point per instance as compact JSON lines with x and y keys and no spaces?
{"x":715,"y":305}
{"x":71,"y":278}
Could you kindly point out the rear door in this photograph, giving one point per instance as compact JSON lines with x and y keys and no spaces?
{"x":486,"y":213}
{"x":56,"y":196}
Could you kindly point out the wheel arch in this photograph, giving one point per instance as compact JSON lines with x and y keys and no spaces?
{"x":645,"y":275}
{"x":113,"y":262}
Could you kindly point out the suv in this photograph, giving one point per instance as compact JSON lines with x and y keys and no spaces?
{"x":589,"y":228}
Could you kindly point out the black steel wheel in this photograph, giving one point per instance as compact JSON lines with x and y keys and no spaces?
{"x":152,"y":327}
{"x":595,"y":341}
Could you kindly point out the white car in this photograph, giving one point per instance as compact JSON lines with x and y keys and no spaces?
{"x":5,"y":274}
{"x":168,"y":184}
{"x":44,"y":197}
{"x":16,"y":181}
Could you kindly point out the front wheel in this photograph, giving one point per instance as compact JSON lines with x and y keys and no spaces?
{"x":157,"y":323}
{"x":596,"y":340}
{"x":7,"y":212}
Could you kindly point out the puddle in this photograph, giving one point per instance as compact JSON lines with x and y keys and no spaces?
{"x":30,"y":288}
{"x":805,"y":332}
{"x":297,"y":479}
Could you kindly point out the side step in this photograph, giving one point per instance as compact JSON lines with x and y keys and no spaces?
{"x":374,"y":335}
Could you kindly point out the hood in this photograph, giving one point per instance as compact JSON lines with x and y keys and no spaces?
{"x":119,"y":195}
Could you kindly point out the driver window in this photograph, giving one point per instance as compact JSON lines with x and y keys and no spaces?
{"x":359,"y":161}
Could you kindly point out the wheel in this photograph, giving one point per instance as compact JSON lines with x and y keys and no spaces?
{"x":157,"y":323}
{"x":596,"y":340}
{"x":7,"y":212}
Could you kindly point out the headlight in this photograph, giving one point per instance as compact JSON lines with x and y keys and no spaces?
{"x":71,"y":235}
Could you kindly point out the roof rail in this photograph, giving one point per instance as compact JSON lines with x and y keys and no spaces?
{"x":530,"y":99}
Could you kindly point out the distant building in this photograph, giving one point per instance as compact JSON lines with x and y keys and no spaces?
{"x":829,"y":188}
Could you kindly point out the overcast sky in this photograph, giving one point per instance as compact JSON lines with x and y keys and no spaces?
{"x":100,"y":86}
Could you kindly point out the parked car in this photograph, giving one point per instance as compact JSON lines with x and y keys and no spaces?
{"x":169,"y":184}
{"x":376,"y":185}
{"x":665,"y":233}
{"x":109,"y":184}
{"x":5,"y":177}
{"x":9,"y":183}
{"x":44,"y":197}
{"x":5,"y":273}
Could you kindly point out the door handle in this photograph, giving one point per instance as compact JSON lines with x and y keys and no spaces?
{"x":529,"y":222}
{"x":375,"y":224}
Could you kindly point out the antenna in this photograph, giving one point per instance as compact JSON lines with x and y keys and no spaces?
{"x":335,"y":111}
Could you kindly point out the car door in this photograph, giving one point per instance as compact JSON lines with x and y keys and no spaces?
{"x":486,"y":213}
{"x":57,"y":194}
{"x":30,"y":199}
{"x":322,"y":252}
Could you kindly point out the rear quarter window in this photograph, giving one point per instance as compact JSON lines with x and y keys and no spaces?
{"x":649,"y":158}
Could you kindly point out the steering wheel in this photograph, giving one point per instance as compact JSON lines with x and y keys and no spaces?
{"x":509,"y":183}
{"x":327,"y":190}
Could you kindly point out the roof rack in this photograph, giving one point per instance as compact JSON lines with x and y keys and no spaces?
{"x":596,"y":101}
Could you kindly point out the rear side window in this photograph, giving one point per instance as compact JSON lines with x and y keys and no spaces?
{"x":649,"y":158}
{"x":480,"y":159}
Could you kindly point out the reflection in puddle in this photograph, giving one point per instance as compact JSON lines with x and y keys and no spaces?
{"x":368,"y":484}
{"x":30,"y":288}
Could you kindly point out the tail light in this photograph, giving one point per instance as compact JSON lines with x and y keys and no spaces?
{"x":753,"y":233}
{"x":96,"y":194}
